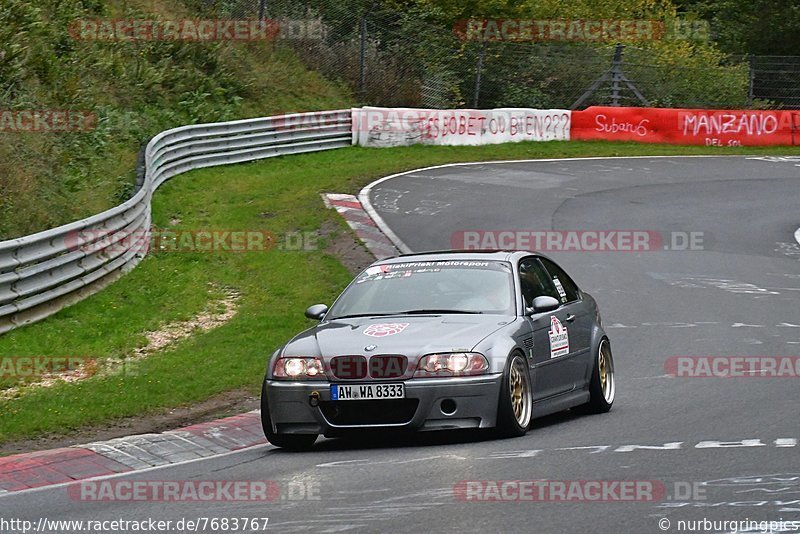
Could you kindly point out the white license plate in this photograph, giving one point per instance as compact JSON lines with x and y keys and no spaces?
{"x":340,"y":392}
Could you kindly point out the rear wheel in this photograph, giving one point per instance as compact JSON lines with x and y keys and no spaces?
{"x":602,"y":386}
{"x":295,"y":442}
{"x":516,"y":399}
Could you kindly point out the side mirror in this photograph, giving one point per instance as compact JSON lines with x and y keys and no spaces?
{"x":318,"y":311}
{"x":543,"y":304}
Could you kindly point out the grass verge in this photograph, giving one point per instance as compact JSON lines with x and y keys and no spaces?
{"x":278,"y":195}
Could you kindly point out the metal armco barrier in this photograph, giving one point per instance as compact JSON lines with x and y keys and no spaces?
{"x":47,"y":271}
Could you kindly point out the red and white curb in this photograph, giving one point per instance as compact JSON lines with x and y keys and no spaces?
{"x":349,"y":207}
{"x":28,"y":471}
{"x":133,"y":453}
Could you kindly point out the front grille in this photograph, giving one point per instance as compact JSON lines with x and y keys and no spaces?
{"x":369,"y":412}
{"x":387,"y":366}
{"x":349,"y":367}
{"x":382,"y":366}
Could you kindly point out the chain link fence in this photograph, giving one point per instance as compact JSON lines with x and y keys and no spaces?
{"x":775,"y":79}
{"x":393,"y":58}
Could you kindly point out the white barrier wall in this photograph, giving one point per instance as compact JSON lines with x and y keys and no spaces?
{"x":387,"y":127}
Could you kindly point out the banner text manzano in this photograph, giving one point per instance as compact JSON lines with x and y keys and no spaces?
{"x":687,"y":126}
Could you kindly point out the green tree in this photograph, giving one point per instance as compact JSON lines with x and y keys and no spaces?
{"x":758,"y":27}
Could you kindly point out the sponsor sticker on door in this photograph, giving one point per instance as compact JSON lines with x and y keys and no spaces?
{"x":559,"y":338}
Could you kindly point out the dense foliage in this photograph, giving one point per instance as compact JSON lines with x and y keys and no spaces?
{"x":414,"y":56}
{"x":389,"y":52}
{"x":136,"y":89}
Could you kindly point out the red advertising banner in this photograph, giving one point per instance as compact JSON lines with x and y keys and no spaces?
{"x":688,"y":126}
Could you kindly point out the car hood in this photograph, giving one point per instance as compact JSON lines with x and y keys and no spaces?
{"x":412,"y":336}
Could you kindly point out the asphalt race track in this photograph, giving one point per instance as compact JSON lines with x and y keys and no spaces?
{"x":719,"y":448}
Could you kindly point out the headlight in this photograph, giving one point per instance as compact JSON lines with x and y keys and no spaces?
{"x":453,"y":364}
{"x":299,"y":368}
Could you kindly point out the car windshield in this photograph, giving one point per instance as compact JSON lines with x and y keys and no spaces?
{"x":451,"y":286}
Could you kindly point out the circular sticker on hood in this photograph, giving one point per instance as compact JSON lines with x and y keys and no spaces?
{"x":384,"y":329}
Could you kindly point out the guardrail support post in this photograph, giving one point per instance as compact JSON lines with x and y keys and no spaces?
{"x":362,"y":59}
{"x":478,"y":72}
{"x":615,"y":76}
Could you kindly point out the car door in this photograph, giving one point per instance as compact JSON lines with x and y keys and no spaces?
{"x":579,"y":318}
{"x":550,"y":354}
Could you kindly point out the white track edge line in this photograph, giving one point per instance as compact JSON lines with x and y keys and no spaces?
{"x":363,"y":195}
{"x":127,"y":473}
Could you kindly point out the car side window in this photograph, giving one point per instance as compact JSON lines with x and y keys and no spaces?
{"x":534,"y":281}
{"x":567,"y":289}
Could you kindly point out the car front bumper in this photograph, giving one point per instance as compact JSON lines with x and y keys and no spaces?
{"x":293,"y":409}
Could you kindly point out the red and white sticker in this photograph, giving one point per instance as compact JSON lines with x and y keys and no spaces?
{"x":378,"y":269}
{"x":559,"y":338}
{"x":384,"y":329}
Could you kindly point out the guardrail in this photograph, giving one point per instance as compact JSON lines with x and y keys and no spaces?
{"x":42,"y":273}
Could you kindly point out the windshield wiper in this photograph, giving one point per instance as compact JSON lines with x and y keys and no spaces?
{"x":435,"y":310}
{"x":407,"y":312}
{"x":352,"y":315}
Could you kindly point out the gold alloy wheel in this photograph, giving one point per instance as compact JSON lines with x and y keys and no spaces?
{"x":520,"y":393}
{"x":606,"y":371}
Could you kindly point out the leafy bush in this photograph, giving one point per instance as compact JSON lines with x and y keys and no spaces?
{"x":136,"y":89}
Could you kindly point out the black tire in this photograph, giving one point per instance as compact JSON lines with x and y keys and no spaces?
{"x":601,"y":392}
{"x":515,"y":408}
{"x":292,"y":442}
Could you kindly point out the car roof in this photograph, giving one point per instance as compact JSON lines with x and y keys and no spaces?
{"x":459,"y":255}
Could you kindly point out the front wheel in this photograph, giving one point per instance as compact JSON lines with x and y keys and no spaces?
{"x":516,"y":399}
{"x":293,"y":442}
{"x":602,"y":385}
